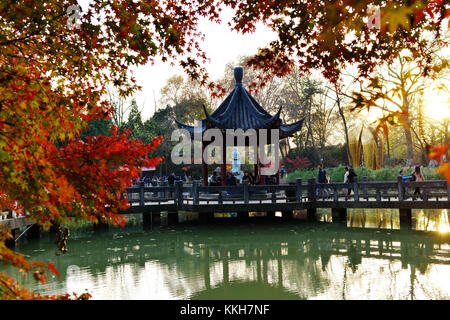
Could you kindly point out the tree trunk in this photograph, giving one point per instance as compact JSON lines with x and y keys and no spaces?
{"x":423,"y":158}
{"x":409,"y":146}
{"x":341,"y":112}
{"x":388,"y":150}
{"x":407,"y":127}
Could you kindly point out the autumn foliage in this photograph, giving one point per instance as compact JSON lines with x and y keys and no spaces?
{"x":298,"y":163}
{"x":437,"y":153}
{"x":53,"y":79}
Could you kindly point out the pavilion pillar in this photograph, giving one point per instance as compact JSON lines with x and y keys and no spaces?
{"x":256,"y":158}
{"x":204,"y":167}
{"x":223,"y":169}
{"x":263,"y":177}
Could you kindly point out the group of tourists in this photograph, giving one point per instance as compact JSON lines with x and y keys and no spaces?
{"x":247,"y":178}
{"x":230,"y":180}
{"x":324,"y":178}
{"x":350,"y":177}
{"x":170,"y":179}
{"x":415,"y":176}
{"x":214,"y":179}
{"x":250,"y":179}
{"x":145,"y":180}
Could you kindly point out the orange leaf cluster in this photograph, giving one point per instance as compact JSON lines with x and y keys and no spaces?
{"x":438,"y":153}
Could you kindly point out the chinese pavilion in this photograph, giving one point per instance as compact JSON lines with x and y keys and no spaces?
{"x":241,"y":111}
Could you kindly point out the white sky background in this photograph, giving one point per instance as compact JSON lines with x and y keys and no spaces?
{"x":221,"y":45}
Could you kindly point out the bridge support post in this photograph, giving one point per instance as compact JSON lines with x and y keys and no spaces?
{"x":405,"y":218}
{"x":244,"y":216}
{"x":355,"y":189}
{"x":155,"y":218}
{"x":246,"y":193}
{"x":401,"y":188}
{"x":205,"y":217}
{"x":339,"y":214}
{"x":195,"y":193}
{"x":172,"y":218}
{"x":448,"y":192}
{"x":312,"y":210}
{"x":365,"y":189}
{"x":151,"y":219}
{"x":146,"y":219}
{"x":311,"y":214}
{"x":287,"y":215}
{"x":299,"y":191}
{"x":312,"y":190}
{"x":179,"y":193}
{"x":270,"y":215}
{"x":141,"y":195}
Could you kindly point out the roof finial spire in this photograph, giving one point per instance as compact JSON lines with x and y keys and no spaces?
{"x":238,"y":74}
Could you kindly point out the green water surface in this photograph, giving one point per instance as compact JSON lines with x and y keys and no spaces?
{"x":369,"y":257}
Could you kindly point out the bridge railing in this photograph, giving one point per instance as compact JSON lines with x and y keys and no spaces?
{"x":361,"y":191}
{"x":383,"y":190}
{"x":142,"y":194}
{"x":230,"y":194}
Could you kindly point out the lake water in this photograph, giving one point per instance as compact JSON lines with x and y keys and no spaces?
{"x":369,"y":257}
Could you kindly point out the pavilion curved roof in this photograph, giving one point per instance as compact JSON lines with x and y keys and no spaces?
{"x":240,"y":110}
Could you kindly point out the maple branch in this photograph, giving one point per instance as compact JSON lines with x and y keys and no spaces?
{"x":6,"y":285}
{"x":8,"y":42}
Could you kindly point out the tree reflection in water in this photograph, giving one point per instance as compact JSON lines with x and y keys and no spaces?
{"x":262,"y":261}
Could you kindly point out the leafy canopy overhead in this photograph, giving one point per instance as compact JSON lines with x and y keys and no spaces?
{"x":329,"y":35}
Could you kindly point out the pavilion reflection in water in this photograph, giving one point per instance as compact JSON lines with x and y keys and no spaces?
{"x":269,"y":266}
{"x":303,"y":261}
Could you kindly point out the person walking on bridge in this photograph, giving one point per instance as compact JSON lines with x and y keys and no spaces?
{"x":417,"y":176}
{"x":351,"y":178}
{"x":321,"y":180}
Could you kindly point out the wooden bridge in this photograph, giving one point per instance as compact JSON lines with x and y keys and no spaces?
{"x":308,"y":196}
{"x":150,"y":201}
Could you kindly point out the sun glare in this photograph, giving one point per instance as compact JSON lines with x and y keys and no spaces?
{"x":373,"y":115}
{"x":444,"y":223}
{"x":437,"y":104}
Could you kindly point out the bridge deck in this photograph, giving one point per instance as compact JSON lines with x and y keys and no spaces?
{"x":298,"y":196}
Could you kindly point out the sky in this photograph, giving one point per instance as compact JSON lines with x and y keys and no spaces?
{"x":221,"y":45}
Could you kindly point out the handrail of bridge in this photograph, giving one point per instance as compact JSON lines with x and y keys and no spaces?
{"x":298,"y":192}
